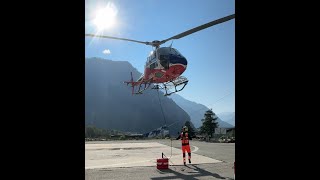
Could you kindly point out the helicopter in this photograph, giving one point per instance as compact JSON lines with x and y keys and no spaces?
{"x":165,"y":65}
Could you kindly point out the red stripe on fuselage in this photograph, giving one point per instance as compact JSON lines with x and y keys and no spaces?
{"x":173,"y":72}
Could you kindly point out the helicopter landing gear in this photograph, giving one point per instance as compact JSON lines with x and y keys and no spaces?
{"x":146,"y":86}
{"x":179,"y":81}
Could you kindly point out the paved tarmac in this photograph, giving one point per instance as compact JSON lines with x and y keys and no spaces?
{"x":137,"y":160}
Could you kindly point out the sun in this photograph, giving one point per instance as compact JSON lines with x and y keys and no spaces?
{"x":105,"y":18}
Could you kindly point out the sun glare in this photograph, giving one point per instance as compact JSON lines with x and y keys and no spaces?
{"x":105,"y":17}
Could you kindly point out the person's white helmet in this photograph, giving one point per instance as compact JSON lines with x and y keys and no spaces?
{"x":185,"y":128}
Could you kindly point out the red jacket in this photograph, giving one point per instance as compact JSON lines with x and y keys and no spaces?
{"x":185,"y":137}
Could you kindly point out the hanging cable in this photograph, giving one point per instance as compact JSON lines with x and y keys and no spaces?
{"x":164,"y":118}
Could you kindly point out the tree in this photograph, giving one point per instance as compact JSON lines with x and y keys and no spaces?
{"x":190,"y":129}
{"x":209,"y":123}
{"x":94,"y":132}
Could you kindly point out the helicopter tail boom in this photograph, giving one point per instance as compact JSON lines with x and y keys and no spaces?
{"x":139,"y":83}
{"x":133,"y":83}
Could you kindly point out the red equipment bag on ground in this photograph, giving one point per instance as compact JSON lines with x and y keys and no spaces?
{"x":163,"y":163}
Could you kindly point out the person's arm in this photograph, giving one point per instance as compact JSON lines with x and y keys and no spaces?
{"x":178,"y":137}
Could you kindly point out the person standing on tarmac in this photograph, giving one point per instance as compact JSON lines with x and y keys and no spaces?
{"x":185,"y":137}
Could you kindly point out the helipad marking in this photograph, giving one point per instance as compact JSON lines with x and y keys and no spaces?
{"x":135,"y":154}
{"x":195,"y":149}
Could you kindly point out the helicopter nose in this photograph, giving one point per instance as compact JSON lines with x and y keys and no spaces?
{"x":179,"y":60}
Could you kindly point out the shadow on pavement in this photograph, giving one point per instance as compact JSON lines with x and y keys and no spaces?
{"x":190,"y":172}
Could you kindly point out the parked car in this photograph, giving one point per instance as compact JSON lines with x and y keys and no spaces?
{"x":226,"y":139}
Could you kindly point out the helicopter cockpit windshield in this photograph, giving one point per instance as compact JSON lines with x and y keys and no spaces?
{"x":164,"y":56}
{"x":169,"y":55}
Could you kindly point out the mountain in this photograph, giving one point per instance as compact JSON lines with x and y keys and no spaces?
{"x":196,"y":111}
{"x":228,"y":117}
{"x":109,"y":103}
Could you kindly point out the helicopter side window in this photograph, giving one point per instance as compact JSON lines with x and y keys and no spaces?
{"x":151,"y":58}
{"x":153,"y":65}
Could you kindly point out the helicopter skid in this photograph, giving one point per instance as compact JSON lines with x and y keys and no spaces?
{"x":146,"y":86}
{"x":180,"y":81}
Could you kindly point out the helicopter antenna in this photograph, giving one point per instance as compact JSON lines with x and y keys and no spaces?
{"x":171,"y":45}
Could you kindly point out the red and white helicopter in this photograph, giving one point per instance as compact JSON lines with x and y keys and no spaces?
{"x":164,"y":65}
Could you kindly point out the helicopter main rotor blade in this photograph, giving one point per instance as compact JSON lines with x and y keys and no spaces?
{"x":110,"y":37}
{"x":199,"y":28}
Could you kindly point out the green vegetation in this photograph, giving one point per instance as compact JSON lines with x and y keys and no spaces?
{"x":94,"y":133}
{"x":209,"y":124}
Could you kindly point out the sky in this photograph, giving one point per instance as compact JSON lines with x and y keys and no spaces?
{"x":210,"y":52}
